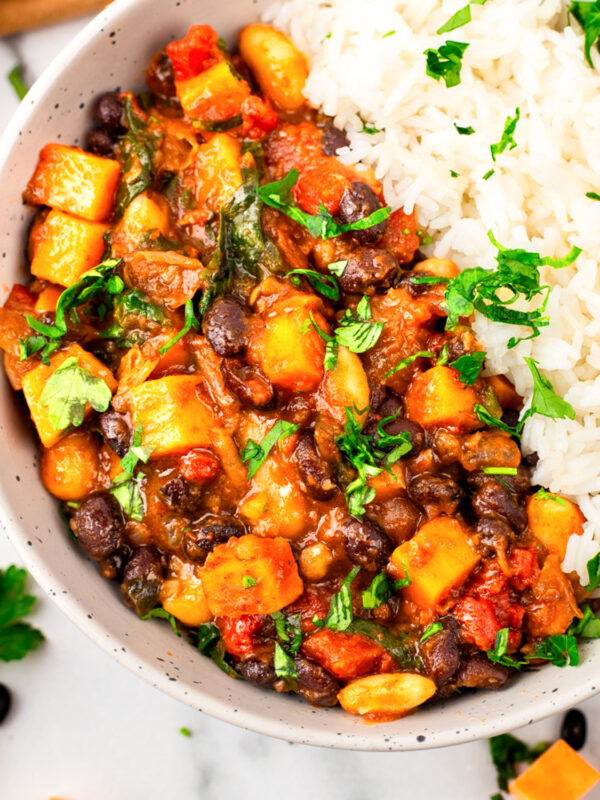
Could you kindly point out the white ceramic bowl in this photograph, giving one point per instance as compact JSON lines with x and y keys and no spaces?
{"x":112,"y":52}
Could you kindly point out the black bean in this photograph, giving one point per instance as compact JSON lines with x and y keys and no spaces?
{"x":440,"y":654}
{"x":225,"y":326}
{"x":531,"y":459}
{"x":182,"y":495}
{"x":160,"y":77}
{"x":213,"y":529}
{"x":495,"y":535}
{"x":494,"y":499}
{"x":315,"y":683}
{"x":478,"y":672}
{"x":574,"y":729}
{"x":142,"y":579}
{"x":401,"y":425}
{"x":360,"y":201}
{"x":116,"y":431}
{"x":100,"y":142}
{"x":390,"y":406}
{"x":257,"y":672}
{"x":510,"y":416}
{"x":5,"y":702}
{"x":98,"y":525}
{"x":314,"y":470}
{"x":437,"y":493}
{"x":247,"y":383}
{"x":108,"y":111}
{"x":113,"y":566}
{"x":333,"y":139}
{"x":521,"y":482}
{"x":368,"y":270}
{"x":366,"y":544}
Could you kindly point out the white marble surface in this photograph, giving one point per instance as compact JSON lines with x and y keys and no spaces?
{"x":83,"y":728}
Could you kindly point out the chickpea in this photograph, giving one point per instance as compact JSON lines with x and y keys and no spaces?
{"x":440,"y":267}
{"x":315,"y":561}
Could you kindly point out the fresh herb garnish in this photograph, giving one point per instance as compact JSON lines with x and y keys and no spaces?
{"x":284,"y":665}
{"x":507,"y":751}
{"x":340,"y":608}
{"x":454,"y":174}
{"x":431,"y":630}
{"x":370,"y":129}
{"x":17,"y":638}
{"x":542,"y":494}
{"x":398,"y":645}
{"x":499,"y":654}
{"x":136,"y":150}
{"x":190,"y":322}
{"x":321,"y":225}
{"x":462,"y":17}
{"x":464,"y":131}
{"x":38,"y":344}
{"x":337,"y":267}
{"x":357,"y":330}
{"x":428,"y":279}
{"x":255,"y":454}
{"x":288,"y":629}
{"x":185,"y":732}
{"x":559,"y":650}
{"x":499,"y":470}
{"x":407,"y":362}
{"x":593,"y":571}
{"x":545,"y":401}
{"x":469,"y":366}
{"x":507,"y":138}
{"x":446,"y":62}
{"x":126,"y":486}
{"x":588,"y":16}
{"x":588,"y":627}
{"x":160,"y":613}
{"x":402,"y":583}
{"x":136,"y":452}
{"x":389,"y":33}
{"x":68,"y":391}
{"x":15,"y":78}
{"x":209,"y":643}
{"x":592,"y":195}
{"x":488,"y":174}
{"x":248,"y":581}
{"x":325,"y":284}
{"x":378,"y":592}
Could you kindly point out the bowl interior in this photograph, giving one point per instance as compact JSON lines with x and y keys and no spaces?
{"x":113,"y":52}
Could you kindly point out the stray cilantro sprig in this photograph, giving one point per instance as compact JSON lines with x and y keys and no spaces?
{"x":68,"y":391}
{"x":507,"y":751}
{"x":321,"y":225}
{"x":507,"y":139}
{"x":17,"y":638}
{"x":408,"y":361}
{"x":499,"y":653}
{"x":445,"y":62}
{"x":15,"y":78}
{"x":592,"y":195}
{"x":255,"y":454}
{"x":209,"y":643}
{"x":542,"y":494}
{"x":126,"y":486}
{"x":190,"y":322}
{"x":560,"y":650}
{"x":588,"y":16}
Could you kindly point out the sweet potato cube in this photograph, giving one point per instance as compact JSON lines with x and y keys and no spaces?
{"x":145,"y":213}
{"x":218,"y":172}
{"x":47,"y":299}
{"x":74,"y":181}
{"x":250,"y":575}
{"x":172,"y":413}
{"x":184,"y":598}
{"x":345,"y":655}
{"x":64,"y":247}
{"x":35,"y":380}
{"x":438,"y":558}
{"x":437,"y":397}
{"x":215,"y":94}
{"x":289,"y":353}
{"x":560,"y":773}
{"x":553,"y":520}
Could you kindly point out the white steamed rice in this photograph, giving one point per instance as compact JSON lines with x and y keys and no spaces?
{"x":521,"y":53}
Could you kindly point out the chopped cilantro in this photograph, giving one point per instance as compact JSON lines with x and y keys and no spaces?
{"x":185,"y":732}
{"x":542,"y":494}
{"x":248,"y":581}
{"x":190,"y":322}
{"x":370,"y":129}
{"x":469,"y":366}
{"x":17,"y":638}
{"x":68,"y":391}
{"x":454,"y":174}
{"x":402,"y":583}
{"x":427,"y":279}
{"x":593,"y":195}
{"x":588,"y":627}
{"x":340,"y":609}
{"x":284,"y":665}
{"x":446,"y":62}
{"x":357,"y":330}
{"x":255,"y":454}
{"x":464,"y":131}
{"x":488,"y":174}
{"x":545,"y":401}
{"x":160,"y":613}
{"x":209,"y":643}
{"x":593,"y":570}
{"x":431,"y":630}
{"x":462,"y":16}
{"x":378,"y":592}
{"x":507,"y":751}
{"x":507,"y":138}
{"x":288,"y":629}
{"x":15,"y":78}
{"x":587,"y":15}
{"x":325,"y":284}
{"x":407,"y":362}
{"x":337,"y":268}
{"x":126,"y":486}
{"x":389,"y":33}
{"x":559,"y":650}
{"x":499,"y":654}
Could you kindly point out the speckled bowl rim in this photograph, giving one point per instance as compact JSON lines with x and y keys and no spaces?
{"x":377,"y":738}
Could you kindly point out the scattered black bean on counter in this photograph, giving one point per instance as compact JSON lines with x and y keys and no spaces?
{"x":5,"y":701}
{"x":574,"y":729}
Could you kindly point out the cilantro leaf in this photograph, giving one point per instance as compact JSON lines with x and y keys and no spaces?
{"x":446,"y":62}
{"x":248,"y":581}
{"x":325,"y":284}
{"x":370,"y":129}
{"x":340,"y":609}
{"x":559,"y":650}
{"x":499,"y":654}
{"x":208,"y":634}
{"x":403,"y":582}
{"x":38,"y":344}
{"x":592,"y":195}
{"x":320,"y":226}
{"x":357,"y":330}
{"x":127,"y":492}
{"x":284,"y":665}
{"x":469,"y":366}
{"x":160,"y":613}
{"x":431,"y":630}
{"x":255,"y":454}
{"x":135,"y":152}
{"x":337,"y":267}
{"x":378,"y":592}
{"x":190,"y":322}
{"x":67,"y":392}
{"x":15,"y":78}
{"x":507,"y":751}
{"x":462,"y":17}
{"x":542,"y":494}
{"x":17,"y":638}
{"x":464,"y":131}
{"x":507,"y":138}
{"x":288,"y":629}
{"x":588,"y":627}
{"x":545,"y":401}
{"x":407,"y":361}
{"x":593,"y":570}
{"x":397,"y":644}
{"x":484,"y":415}
{"x":427,"y":279}
{"x":588,"y":16}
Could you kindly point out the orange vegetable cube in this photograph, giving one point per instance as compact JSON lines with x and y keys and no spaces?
{"x":250,"y":575}
{"x":213,"y":95}
{"x":558,"y":774}
{"x":35,"y":381}
{"x":74,"y":181}
{"x":47,"y":299}
{"x":505,"y":392}
{"x":437,"y":397}
{"x":172,"y":413}
{"x":344,"y":387}
{"x":184,"y":598}
{"x":437,"y":559}
{"x":553,"y":519}
{"x":345,"y":655}
{"x":146,"y":213}
{"x":218,"y":172}
{"x":64,"y":247}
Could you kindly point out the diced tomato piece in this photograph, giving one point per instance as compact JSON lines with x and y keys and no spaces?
{"x":478,"y":622}
{"x":237,"y":632}
{"x":489,"y":582}
{"x":322,"y":185}
{"x":525,"y":569}
{"x":20,"y":299}
{"x":401,"y":237}
{"x":199,"y":466}
{"x":197,"y":51}
{"x":308,"y":605}
{"x":345,"y":655}
{"x":259,"y":118}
